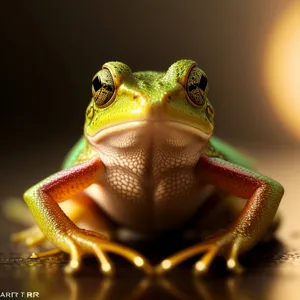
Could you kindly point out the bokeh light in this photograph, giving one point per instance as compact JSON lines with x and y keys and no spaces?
{"x":282,"y":68}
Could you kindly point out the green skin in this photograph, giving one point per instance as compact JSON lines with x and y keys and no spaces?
{"x":148,"y":96}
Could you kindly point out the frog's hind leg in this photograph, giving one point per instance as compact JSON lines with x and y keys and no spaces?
{"x":219,"y":211}
{"x":16,"y":210}
{"x":80,"y":209}
{"x":30,"y":237}
{"x":215,"y":214}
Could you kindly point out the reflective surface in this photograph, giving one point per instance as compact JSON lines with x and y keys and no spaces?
{"x":273,"y":269}
{"x":267,"y":266}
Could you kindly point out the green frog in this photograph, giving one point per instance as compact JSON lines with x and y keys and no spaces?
{"x":148,"y":161}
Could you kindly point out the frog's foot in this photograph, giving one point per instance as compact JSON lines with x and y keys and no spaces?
{"x":81,"y":241}
{"x":30,"y":237}
{"x":46,"y":253}
{"x":225,"y":244}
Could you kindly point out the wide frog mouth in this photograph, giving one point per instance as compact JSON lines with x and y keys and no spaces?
{"x":146,"y":125}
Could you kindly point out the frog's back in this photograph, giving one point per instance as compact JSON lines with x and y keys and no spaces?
{"x":229,"y":153}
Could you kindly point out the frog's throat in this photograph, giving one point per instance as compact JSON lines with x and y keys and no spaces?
{"x":132,"y":125}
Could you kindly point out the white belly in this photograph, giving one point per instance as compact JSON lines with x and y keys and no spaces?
{"x":150,"y":182}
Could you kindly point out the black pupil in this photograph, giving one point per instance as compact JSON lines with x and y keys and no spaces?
{"x":203,"y":83}
{"x":97,"y":84}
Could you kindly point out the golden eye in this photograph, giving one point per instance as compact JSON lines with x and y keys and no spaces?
{"x":103,"y":87}
{"x":196,"y":86}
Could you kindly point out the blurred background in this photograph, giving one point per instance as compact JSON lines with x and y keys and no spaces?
{"x":51,"y":50}
{"x":249,"y":50}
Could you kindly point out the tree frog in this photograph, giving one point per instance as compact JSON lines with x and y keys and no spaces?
{"x":148,"y":161}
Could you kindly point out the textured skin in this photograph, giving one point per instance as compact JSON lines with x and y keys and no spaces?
{"x":148,"y":160}
{"x":263,"y":193}
{"x":149,"y":95}
{"x":48,"y":215}
{"x":149,"y":171}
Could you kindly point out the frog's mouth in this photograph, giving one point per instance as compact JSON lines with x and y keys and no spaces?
{"x":133,"y":131}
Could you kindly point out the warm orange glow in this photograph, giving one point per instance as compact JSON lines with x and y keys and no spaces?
{"x":283,"y":67}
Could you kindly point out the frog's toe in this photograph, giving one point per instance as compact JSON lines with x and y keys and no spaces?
{"x":107,"y":267}
{"x":81,"y":242}
{"x":232,"y":262}
{"x":234,"y":266}
{"x":226,"y":244}
{"x":46,"y":253}
{"x":203,"y":265}
{"x":75,"y":258}
{"x":137,"y":259}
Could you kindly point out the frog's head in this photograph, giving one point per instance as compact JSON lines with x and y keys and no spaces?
{"x":178,"y":95}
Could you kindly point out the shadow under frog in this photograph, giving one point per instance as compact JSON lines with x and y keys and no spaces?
{"x":47,"y":278}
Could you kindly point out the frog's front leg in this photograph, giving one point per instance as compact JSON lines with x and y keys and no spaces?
{"x":42,"y":200}
{"x":263,"y":194}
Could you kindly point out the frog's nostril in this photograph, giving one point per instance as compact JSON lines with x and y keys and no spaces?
{"x":210,"y":113}
{"x":90,"y":112}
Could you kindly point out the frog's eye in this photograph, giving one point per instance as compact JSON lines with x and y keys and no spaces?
{"x":196,"y":86}
{"x":103,"y":87}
